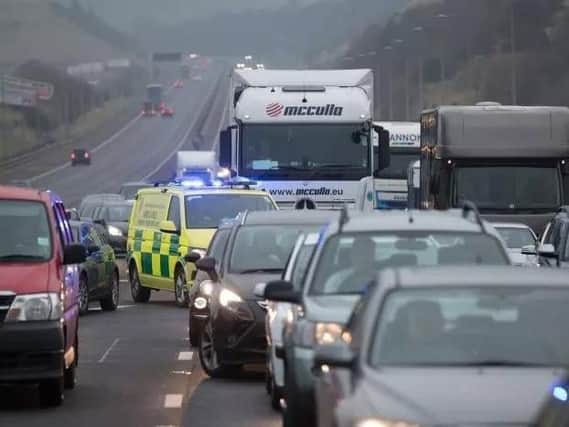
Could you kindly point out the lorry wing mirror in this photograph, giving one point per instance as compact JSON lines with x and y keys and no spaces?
{"x":225,"y":148}
{"x":383,"y":155}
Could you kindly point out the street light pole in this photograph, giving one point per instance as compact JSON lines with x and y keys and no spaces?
{"x":513,"y":53}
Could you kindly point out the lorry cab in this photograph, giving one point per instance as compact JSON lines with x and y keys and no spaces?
{"x":511,"y":161}
{"x":304,"y":134}
{"x":39,"y":286}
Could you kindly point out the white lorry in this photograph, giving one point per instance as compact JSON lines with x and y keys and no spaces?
{"x":388,"y":189}
{"x":197,"y":166}
{"x":304,"y":135}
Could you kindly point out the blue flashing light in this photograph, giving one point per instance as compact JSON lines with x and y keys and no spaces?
{"x":192,"y":183}
{"x":560,"y":393}
{"x":224,"y":173}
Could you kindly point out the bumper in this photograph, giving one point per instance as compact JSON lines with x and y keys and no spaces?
{"x":240,"y":335}
{"x":31,"y":351}
{"x":300,"y":363}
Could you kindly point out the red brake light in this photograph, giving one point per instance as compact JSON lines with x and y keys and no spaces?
{"x":72,"y":156}
{"x":86,"y":155}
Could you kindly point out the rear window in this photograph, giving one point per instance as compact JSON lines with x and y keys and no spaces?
{"x":208,"y":210}
{"x":24,"y":227}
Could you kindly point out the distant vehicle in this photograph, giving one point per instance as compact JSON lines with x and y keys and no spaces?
{"x":129,"y":189}
{"x":99,"y":274}
{"x":350,"y":251}
{"x":233,"y":332}
{"x":510,"y":161}
{"x":39,"y":284}
{"x":553,"y":249}
{"x":421,"y":331}
{"x":154,"y":95}
{"x":24,"y":183}
{"x":148,"y":109}
{"x":91,"y":201}
{"x":114,"y":217}
{"x":197,"y":165}
{"x":179,"y":84}
{"x":519,"y":238}
{"x":260,"y":67}
{"x":388,"y":188}
{"x":80,"y":156}
{"x":166,"y":111}
{"x":72,"y":214}
{"x":328,"y":138}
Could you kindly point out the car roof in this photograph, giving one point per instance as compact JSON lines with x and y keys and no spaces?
{"x":108,"y":196}
{"x":202,"y":191}
{"x":410,"y":220}
{"x":25,"y":193}
{"x":456,"y":276}
{"x":318,"y":217}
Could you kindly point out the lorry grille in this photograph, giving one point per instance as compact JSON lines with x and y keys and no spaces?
{"x":6,"y":299}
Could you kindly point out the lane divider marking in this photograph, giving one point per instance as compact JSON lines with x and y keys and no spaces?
{"x":173,"y":401}
{"x":185,"y":355}
{"x":106,"y":354}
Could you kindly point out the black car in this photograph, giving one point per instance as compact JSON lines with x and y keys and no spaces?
{"x":257,"y":248}
{"x":90,"y":202}
{"x":99,"y":274}
{"x":447,"y":346}
{"x":114,"y":216}
{"x":129,"y":189}
{"x":80,"y":156}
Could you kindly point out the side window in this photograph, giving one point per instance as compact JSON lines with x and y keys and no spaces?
{"x":217,"y":246}
{"x":174,"y":211}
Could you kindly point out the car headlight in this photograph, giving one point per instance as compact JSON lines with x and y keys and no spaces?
{"x":200,"y":303}
{"x":227,"y":298}
{"x":327,"y":333}
{"x":114,"y":231}
{"x":378,"y":422}
{"x":35,"y":307}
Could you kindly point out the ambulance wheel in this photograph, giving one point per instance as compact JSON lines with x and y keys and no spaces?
{"x":180,"y":288}
{"x":139,"y":293}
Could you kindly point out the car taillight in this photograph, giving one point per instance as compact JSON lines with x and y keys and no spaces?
{"x":86,"y":155}
{"x":72,"y":156}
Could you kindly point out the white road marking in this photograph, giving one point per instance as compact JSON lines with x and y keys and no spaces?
{"x":185,"y":355}
{"x":120,"y":307}
{"x":173,"y":400}
{"x":94,"y":150}
{"x":106,"y":354}
{"x":123,"y":281}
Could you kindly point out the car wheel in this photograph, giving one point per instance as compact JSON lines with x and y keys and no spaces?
{"x":111,"y":302}
{"x":209,"y":357}
{"x":180,"y":288}
{"x":194,"y":335}
{"x":51,"y":392}
{"x":275,"y":394}
{"x":83,"y":295}
{"x":292,"y":414}
{"x":139,"y":293}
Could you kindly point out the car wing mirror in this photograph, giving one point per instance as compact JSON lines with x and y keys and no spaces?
{"x":193,"y":257}
{"x":529,"y":250}
{"x":547,"y":250}
{"x":168,"y":227}
{"x":207,"y":264}
{"x":282,"y":291}
{"x":74,"y":254}
{"x":333,"y":355}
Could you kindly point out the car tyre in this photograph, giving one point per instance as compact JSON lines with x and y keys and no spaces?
{"x":180,"y":288}
{"x":51,"y":392}
{"x":195,"y":334}
{"x":292,"y":415}
{"x":275,"y":394}
{"x":208,"y":355}
{"x":70,"y":374}
{"x":111,"y":302}
{"x":83,"y":295}
{"x":139,"y":293}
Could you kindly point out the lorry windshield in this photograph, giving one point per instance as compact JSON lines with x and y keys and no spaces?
{"x":25,"y":232}
{"x":509,"y":187}
{"x":304,"y":151}
{"x":208,"y":210}
{"x":399,"y":165}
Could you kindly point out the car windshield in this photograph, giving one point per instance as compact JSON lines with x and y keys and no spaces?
{"x":509,"y":187}
{"x":304,"y":150}
{"x":25,"y":231}
{"x":119,"y":213}
{"x":208,"y":210}
{"x":473,"y":326}
{"x":516,"y":237}
{"x":264,"y":248}
{"x":349,"y":261}
{"x":399,"y":165}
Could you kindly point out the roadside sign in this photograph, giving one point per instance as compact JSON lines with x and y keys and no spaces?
{"x":43,"y":90}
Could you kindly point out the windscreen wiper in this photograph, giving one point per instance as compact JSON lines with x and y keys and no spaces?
{"x":261,"y":270}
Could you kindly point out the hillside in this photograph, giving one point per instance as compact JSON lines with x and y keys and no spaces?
{"x":36,"y":30}
{"x":468,"y":51}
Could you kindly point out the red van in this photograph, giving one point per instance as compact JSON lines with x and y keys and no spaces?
{"x":38,"y":292}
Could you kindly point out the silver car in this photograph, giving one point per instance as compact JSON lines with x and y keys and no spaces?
{"x":520,"y":240}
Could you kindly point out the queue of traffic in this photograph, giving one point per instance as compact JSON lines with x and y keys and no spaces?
{"x":367,"y":305}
